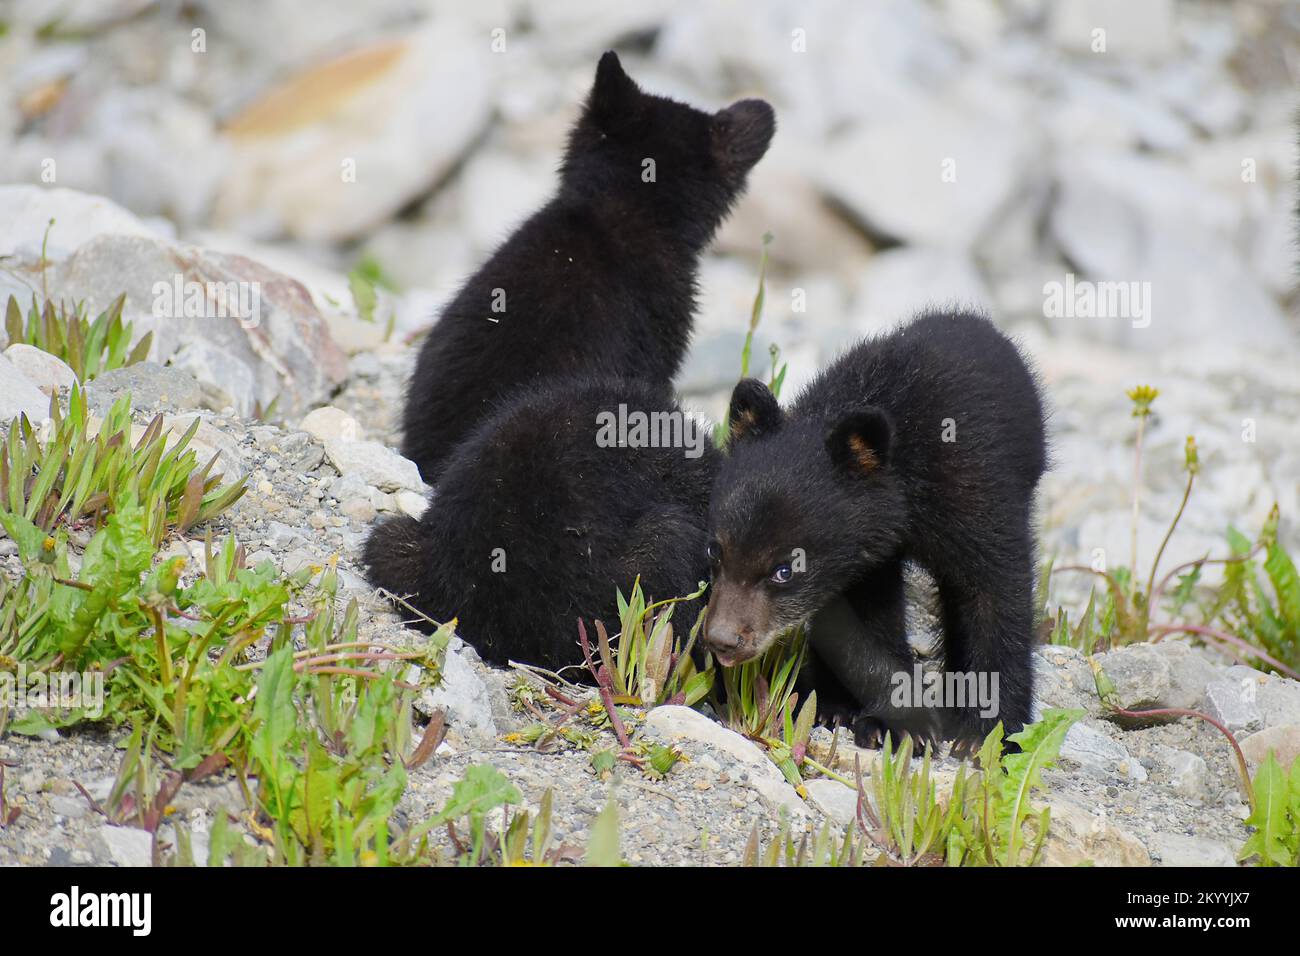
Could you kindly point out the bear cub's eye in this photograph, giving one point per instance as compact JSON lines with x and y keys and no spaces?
{"x":715,"y":551}
{"x":781,"y":574}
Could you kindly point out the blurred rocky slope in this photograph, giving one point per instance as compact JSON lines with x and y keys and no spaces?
{"x":970,"y":152}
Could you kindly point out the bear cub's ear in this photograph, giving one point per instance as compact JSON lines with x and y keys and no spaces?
{"x":753,"y":411}
{"x":614,"y":94}
{"x":860,"y":441}
{"x":741,"y":134}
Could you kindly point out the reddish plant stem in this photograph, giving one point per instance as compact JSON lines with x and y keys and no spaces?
{"x":1184,"y":712}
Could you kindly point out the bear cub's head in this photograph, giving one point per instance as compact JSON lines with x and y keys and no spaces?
{"x":679,"y":163}
{"x":801,"y":508}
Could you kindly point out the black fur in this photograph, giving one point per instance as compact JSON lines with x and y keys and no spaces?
{"x":601,"y":280}
{"x":857,"y":474}
{"x":575,"y":521}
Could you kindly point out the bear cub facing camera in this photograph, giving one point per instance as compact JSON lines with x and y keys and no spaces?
{"x":601,"y":280}
{"x":922,"y":445}
{"x":563,"y":495}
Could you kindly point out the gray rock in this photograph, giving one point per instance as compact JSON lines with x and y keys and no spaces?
{"x":328,"y":423}
{"x":1178,"y":849}
{"x":151,"y":386}
{"x":1283,"y":741}
{"x":907,"y":196}
{"x":224,"y":380}
{"x":20,"y":396}
{"x":73,"y":808}
{"x":1189,"y":671}
{"x":127,"y":846}
{"x":78,"y":217}
{"x":1188,"y":773}
{"x":1137,"y":30}
{"x":462,"y":696}
{"x":901,"y":282}
{"x":268,"y":322}
{"x":1129,"y":218}
{"x":1089,"y":745}
{"x":425,"y":94}
{"x":410,"y":503}
{"x":1233,"y":701}
{"x":676,"y":725}
{"x":1279,"y":700}
{"x":832,"y":798}
{"x":1062,"y":678}
{"x":1142,"y":677}
{"x":47,"y":372}
{"x":375,"y":464}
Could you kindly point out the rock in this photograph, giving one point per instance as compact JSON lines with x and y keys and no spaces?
{"x":209,"y":441}
{"x":1283,"y":741}
{"x":328,"y":422}
{"x":832,"y":798}
{"x":1081,"y":835}
{"x":1062,"y":678}
{"x":47,"y":372}
{"x":498,"y":190}
{"x":327,"y":154}
{"x":360,"y":509}
{"x":674,"y":725}
{"x":462,"y":696}
{"x":185,"y":295}
{"x":224,"y":380}
{"x":1189,"y":671}
{"x":1139,"y":30}
{"x":150,"y":385}
{"x":1188,"y":773}
{"x":901,"y":282}
{"x":375,"y":464}
{"x":19,"y":396}
{"x":1089,"y":745}
{"x":1278,"y":699}
{"x":72,"y":808}
{"x":160,"y":152}
{"x":933,"y":174}
{"x":1120,"y":216}
{"x":26,"y":212}
{"x":783,"y":200}
{"x":1233,"y":702}
{"x":127,"y":846}
{"x":1142,"y":677}
{"x":1178,"y":849}
{"x":410,"y":503}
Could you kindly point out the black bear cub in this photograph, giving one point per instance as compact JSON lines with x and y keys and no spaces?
{"x":922,"y":445}
{"x":541,"y":515}
{"x":601,"y":280}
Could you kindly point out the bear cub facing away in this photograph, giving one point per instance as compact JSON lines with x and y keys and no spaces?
{"x":536,"y":521}
{"x":601,"y":280}
{"x":924,"y":445}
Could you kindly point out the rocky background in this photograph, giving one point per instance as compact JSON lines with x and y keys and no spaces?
{"x":968,"y":152}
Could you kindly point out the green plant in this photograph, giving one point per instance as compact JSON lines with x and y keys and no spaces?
{"x":1240,"y":616}
{"x":646,"y":665}
{"x":80,"y":471}
{"x":88,"y":347}
{"x":998,"y":824}
{"x":364,"y":281}
{"x":903,"y":815}
{"x":824,"y":848}
{"x":1276,"y":816}
{"x":776,"y":376}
